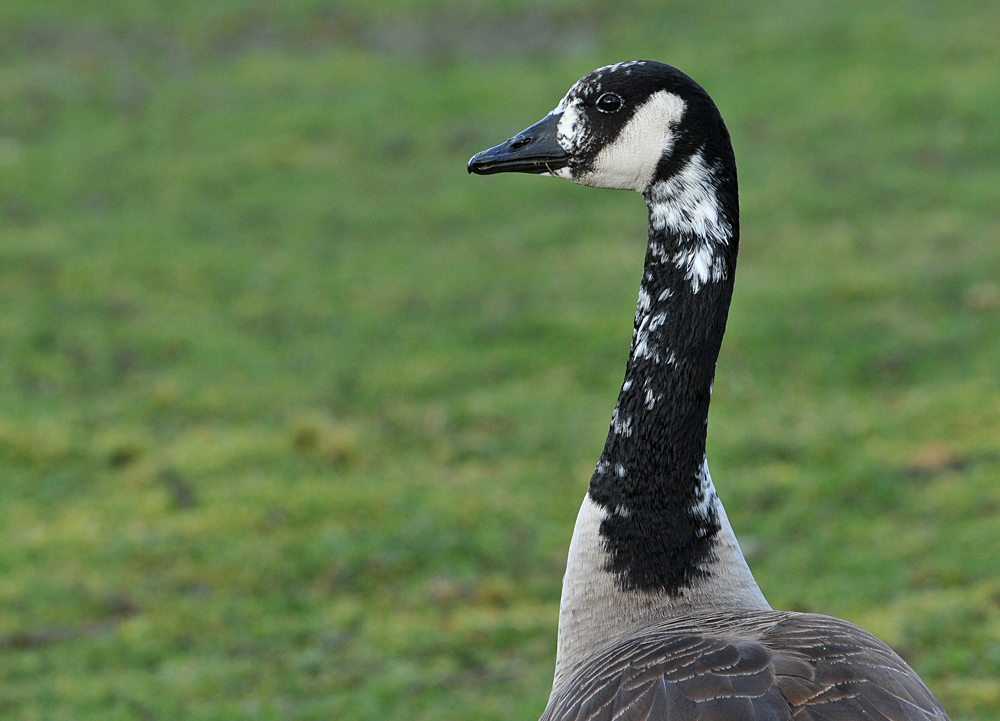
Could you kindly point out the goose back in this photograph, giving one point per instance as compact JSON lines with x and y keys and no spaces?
{"x":766,"y":666}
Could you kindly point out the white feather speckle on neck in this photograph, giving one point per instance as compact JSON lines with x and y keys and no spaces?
{"x":687,"y":205}
{"x":708,"y":499}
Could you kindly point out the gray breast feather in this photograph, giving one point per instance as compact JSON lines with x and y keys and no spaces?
{"x":804,"y":667}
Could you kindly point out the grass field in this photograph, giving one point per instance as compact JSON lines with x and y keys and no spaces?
{"x":295,"y":415}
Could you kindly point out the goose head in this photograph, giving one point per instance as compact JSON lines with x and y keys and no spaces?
{"x":628,"y":126}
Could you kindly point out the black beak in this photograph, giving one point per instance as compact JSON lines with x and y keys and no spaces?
{"x":534,"y":150}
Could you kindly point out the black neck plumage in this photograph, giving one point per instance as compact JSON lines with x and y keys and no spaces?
{"x":652,"y":481}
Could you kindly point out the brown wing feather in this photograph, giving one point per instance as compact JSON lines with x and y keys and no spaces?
{"x":832,"y":670}
{"x":804,"y":667}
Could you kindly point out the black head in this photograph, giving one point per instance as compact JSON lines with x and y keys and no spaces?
{"x":622,"y":126}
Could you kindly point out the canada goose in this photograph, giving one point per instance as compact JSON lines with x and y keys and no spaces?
{"x":660,"y":617}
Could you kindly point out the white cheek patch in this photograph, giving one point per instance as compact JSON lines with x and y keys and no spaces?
{"x":629,"y":162}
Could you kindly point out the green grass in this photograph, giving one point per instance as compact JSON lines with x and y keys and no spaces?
{"x":295,"y":416}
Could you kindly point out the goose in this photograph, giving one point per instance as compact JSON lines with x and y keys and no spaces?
{"x":660,"y":617}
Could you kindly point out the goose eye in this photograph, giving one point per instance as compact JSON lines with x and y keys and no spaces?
{"x":609,"y":103}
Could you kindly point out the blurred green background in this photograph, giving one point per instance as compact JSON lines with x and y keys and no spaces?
{"x":296,"y":416}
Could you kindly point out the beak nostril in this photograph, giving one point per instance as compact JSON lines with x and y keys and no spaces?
{"x":533,"y":150}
